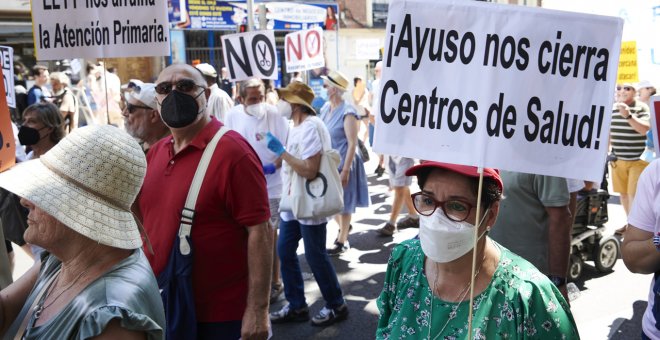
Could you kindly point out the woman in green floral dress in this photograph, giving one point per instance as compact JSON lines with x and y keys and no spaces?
{"x":428,"y":280}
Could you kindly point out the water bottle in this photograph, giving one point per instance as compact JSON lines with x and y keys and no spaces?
{"x":573,"y":291}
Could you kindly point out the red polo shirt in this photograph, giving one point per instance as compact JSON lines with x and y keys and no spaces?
{"x":233,"y":196}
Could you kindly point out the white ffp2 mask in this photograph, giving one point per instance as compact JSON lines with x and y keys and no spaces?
{"x":256,"y":110}
{"x":444,"y":240}
{"x":284,"y":108}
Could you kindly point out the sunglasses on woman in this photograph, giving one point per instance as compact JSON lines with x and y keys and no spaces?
{"x":182,"y":85}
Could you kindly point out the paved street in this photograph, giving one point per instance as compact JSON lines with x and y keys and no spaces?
{"x":610,"y":306}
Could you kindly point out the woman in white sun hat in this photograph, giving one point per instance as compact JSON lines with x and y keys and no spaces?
{"x":93,"y":279}
{"x":342,"y":121}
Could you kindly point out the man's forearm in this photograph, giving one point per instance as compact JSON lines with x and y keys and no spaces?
{"x":559,"y":240}
{"x":260,"y":258}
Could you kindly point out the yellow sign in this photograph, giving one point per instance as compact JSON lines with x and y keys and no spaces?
{"x":627,"y":72}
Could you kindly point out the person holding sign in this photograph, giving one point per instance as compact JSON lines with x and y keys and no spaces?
{"x":630,"y":123}
{"x":428,"y":280}
{"x":641,"y":246}
{"x":342,"y":121}
{"x":250,"y":118}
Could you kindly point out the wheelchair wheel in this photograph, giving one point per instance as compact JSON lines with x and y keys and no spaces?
{"x":606,"y":254}
{"x":574,"y":268}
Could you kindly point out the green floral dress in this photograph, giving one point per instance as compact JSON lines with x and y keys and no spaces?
{"x":519,"y":303}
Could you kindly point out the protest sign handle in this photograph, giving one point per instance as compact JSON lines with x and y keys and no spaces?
{"x":480,"y":171}
{"x":105,"y":82}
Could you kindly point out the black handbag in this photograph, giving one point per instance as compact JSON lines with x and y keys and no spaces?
{"x":362,"y":149}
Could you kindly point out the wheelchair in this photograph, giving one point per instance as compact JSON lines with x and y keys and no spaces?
{"x":588,"y":241}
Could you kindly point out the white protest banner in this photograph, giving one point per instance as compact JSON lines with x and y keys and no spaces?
{"x":100,"y":28}
{"x":510,"y":87}
{"x":7,"y":61}
{"x":304,"y":50}
{"x":250,"y":54}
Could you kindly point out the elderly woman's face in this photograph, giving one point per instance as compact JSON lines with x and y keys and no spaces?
{"x":447,"y":186}
{"x":43,"y":229}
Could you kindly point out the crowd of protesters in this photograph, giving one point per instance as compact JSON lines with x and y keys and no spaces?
{"x":191,"y":205}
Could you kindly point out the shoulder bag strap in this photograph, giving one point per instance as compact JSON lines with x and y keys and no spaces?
{"x":317,"y":122}
{"x":188,"y":212}
{"x":28,"y":315}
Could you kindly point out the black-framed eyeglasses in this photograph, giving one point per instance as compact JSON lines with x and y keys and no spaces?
{"x":183,"y":85}
{"x":455,"y":210}
{"x":131,"y":108}
{"x":627,"y":88}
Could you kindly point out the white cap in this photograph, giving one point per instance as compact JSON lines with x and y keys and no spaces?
{"x":207,"y":70}
{"x":644,"y":84}
{"x":132,"y":83}
{"x":144,"y":93}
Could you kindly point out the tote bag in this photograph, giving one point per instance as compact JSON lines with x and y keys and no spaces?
{"x":322,"y":196}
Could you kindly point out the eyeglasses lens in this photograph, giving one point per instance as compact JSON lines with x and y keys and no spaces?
{"x":183,"y":85}
{"x":455,"y":210}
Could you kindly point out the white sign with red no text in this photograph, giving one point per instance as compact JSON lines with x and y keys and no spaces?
{"x":304,"y":50}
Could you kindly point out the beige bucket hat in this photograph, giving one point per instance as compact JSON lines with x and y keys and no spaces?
{"x":336,"y":79}
{"x":88,"y":181}
{"x":297,"y":93}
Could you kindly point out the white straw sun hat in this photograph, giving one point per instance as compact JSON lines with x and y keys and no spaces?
{"x":88,"y":181}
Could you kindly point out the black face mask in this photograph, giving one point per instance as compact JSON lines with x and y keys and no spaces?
{"x":179,"y":109}
{"x":28,"y":135}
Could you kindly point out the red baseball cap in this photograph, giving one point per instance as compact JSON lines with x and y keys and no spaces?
{"x":470,"y":171}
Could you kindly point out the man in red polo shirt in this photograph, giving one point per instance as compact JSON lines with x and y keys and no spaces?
{"x":231,"y":238}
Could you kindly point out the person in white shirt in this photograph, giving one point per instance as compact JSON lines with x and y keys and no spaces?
{"x":641,"y":245}
{"x":251,"y":118}
{"x":219,"y":101}
{"x":374,"y":100}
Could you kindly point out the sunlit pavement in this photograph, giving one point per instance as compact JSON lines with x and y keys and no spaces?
{"x":610,"y":305}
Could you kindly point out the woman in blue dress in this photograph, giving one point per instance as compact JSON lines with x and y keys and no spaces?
{"x":342,"y":121}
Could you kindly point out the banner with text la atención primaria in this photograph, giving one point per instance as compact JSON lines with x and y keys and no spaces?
{"x":510,"y":87}
{"x":100,"y":28}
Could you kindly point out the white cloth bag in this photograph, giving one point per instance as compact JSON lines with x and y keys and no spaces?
{"x":322,"y":196}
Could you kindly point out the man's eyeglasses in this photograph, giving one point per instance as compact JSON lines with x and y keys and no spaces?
{"x":455,"y":210}
{"x":131,"y":108}
{"x":627,"y":88}
{"x":182,"y":85}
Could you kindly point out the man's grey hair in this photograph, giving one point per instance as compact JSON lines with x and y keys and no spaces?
{"x":61,"y":77}
{"x":252,"y":83}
